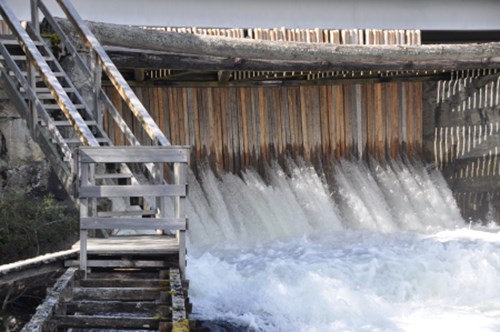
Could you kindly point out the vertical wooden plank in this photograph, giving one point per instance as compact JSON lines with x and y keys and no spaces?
{"x":172,"y":123}
{"x":236,"y":125}
{"x":196,"y":121}
{"x":161,"y":114}
{"x":419,"y":117}
{"x":331,"y":119}
{"x":358,"y":125}
{"x":379,"y":121}
{"x":204,"y":122}
{"x":262,"y":122}
{"x":217,"y":109}
{"x":189,"y":116}
{"x":409,"y":117}
{"x":340,"y":112}
{"x":256,"y":133}
{"x":285,"y":121}
{"x":348,"y":110}
{"x":244,"y":126}
{"x":208,"y":101}
{"x":364,"y":118}
{"x":394,"y":111}
{"x":304,"y":122}
{"x":314,"y":120}
{"x":324,"y":120}
{"x":280,"y":126}
{"x":166,"y":114}
{"x":179,"y":111}
{"x":292,"y":111}
{"x":271,"y":112}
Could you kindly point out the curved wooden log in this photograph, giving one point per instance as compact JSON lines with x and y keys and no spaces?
{"x":249,"y":54}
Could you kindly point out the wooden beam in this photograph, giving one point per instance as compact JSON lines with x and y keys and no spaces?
{"x":125,"y":57}
{"x":106,"y":322}
{"x":244,"y":52}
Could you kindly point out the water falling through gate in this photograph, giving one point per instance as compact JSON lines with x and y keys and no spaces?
{"x":385,"y":250}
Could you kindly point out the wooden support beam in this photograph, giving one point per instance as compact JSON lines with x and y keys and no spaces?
{"x":103,"y":307}
{"x":106,"y":322}
{"x":250,"y":54}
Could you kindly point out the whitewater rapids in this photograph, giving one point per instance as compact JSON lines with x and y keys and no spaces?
{"x":386,"y":250}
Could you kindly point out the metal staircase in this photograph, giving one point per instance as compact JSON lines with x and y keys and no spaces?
{"x":68,"y":122}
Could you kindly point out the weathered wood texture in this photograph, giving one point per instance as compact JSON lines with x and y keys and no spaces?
{"x":240,"y":50}
{"x":241,"y":126}
{"x":97,"y":216}
{"x":238,"y":127}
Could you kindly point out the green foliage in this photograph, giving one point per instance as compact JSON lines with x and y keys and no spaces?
{"x":31,"y":226}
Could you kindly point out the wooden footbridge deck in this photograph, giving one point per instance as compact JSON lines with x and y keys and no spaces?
{"x":131,"y":268}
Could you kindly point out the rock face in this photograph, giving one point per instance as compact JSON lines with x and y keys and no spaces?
{"x":23,"y":166}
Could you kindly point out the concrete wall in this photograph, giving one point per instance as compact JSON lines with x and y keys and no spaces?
{"x":380,"y":14}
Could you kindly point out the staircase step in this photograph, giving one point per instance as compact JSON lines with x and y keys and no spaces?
{"x":106,"y":322}
{"x":47,"y":90}
{"x":68,"y":124}
{"x":124,"y":283}
{"x":25,"y":73}
{"x":56,"y":106}
{"x":122,"y":263}
{"x":99,"y":307}
{"x":23,"y":58}
{"x":45,"y":96}
{"x":44,"y":91}
{"x":76,"y":140}
{"x":117,"y":293}
{"x":13,"y":41}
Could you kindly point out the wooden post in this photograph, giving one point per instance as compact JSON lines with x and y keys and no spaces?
{"x":180,"y":212}
{"x":84,"y":212}
{"x":35,"y":21}
{"x":95,"y":69}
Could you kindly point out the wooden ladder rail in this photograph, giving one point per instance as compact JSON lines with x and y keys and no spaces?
{"x":98,"y":54}
{"x":89,"y":191}
{"x":119,"y":82}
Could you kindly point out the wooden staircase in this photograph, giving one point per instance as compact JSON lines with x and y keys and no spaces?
{"x":131,"y":196}
{"x":130,"y":300}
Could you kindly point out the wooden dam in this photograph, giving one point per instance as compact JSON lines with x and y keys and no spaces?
{"x":121,"y":139}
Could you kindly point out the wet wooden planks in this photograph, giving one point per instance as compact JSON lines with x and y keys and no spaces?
{"x":145,"y":300}
{"x":240,"y":126}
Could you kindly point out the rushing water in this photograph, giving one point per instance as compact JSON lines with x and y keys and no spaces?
{"x":386,"y":251}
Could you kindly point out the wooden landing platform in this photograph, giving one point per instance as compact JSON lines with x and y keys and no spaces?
{"x":132,"y":245}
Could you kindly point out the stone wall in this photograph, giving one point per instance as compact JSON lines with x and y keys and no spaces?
{"x":23,"y":166}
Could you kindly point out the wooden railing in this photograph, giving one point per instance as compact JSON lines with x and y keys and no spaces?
{"x":93,"y":190}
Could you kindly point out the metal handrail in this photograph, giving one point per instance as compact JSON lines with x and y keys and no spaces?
{"x":39,"y":63}
{"x":119,"y":82}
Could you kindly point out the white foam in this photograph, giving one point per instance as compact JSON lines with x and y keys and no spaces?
{"x":389,"y":253}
